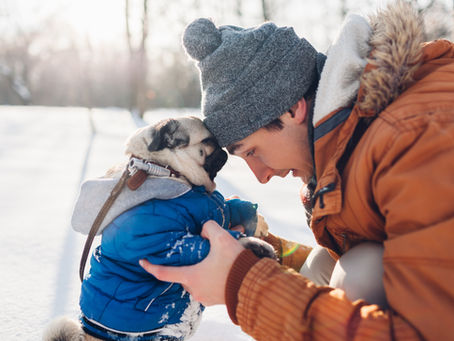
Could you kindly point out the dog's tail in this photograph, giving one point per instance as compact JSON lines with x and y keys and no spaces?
{"x":64,"y":329}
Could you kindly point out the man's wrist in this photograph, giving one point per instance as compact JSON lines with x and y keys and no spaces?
{"x":243,"y":263}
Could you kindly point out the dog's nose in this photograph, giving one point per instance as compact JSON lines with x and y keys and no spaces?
{"x":215,"y":162}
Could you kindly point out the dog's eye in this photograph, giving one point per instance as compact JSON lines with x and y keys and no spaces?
{"x":210,"y":141}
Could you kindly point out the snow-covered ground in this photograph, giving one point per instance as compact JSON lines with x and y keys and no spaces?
{"x":44,"y":155}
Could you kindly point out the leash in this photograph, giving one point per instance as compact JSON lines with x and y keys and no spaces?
{"x":100,"y":217}
{"x":134,"y":175}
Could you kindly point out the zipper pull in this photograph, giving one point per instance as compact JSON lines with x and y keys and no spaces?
{"x":322,"y":191}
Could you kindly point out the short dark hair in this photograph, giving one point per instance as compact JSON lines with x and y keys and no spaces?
{"x":274,"y":125}
{"x":277,"y":124}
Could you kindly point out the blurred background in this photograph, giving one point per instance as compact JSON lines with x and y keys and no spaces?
{"x":76,"y":78}
{"x":127,"y":53}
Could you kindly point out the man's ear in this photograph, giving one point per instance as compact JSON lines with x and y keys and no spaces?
{"x":300,"y":111}
{"x":168,"y":134}
{"x":297,"y":113}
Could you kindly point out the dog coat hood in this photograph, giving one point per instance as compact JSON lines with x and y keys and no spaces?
{"x":94,"y":193}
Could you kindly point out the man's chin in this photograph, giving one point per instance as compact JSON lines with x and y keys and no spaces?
{"x":299,"y":174}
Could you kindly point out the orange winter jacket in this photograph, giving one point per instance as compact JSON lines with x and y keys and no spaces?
{"x":396,"y":187}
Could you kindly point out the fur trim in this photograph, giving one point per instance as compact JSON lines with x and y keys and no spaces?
{"x":396,"y":54}
{"x":393,"y":38}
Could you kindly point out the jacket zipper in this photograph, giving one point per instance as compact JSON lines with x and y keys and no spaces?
{"x":220,"y":207}
{"x":344,"y":241}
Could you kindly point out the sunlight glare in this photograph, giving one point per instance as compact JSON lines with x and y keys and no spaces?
{"x":100,"y":20}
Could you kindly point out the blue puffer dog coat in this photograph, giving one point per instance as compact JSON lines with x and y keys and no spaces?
{"x":121,"y":301}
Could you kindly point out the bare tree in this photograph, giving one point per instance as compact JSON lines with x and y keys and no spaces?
{"x":132,"y":91}
{"x":437,"y":18}
{"x":138,"y":61}
{"x":421,"y":8}
{"x":16,"y":84}
{"x":343,"y":8}
{"x":16,"y":65}
{"x":266,"y":10}
{"x":86,"y":75}
{"x":239,"y":10}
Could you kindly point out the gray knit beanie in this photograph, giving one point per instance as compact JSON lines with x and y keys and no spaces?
{"x":249,"y":77}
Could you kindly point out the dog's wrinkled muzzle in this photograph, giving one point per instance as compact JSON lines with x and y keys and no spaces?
{"x":215,"y":162}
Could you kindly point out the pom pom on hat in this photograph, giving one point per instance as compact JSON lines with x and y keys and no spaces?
{"x":201,"y":38}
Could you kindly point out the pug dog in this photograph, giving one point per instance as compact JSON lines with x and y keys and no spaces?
{"x":172,"y":166}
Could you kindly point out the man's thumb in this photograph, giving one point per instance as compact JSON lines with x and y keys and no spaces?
{"x":165,"y":273}
{"x":211,"y":229}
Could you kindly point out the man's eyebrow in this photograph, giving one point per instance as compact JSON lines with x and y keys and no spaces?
{"x":232,"y":148}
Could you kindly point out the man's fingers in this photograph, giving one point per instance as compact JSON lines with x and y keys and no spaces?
{"x":165,"y":273}
{"x":239,"y":228}
{"x":205,"y":281}
{"x":211,"y":229}
{"x":219,"y":238}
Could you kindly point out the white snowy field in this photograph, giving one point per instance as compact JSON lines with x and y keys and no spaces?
{"x":44,"y":155}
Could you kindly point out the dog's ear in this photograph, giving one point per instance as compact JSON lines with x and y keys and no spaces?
{"x":168,"y":134}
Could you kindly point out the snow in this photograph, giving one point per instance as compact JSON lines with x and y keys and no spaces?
{"x":190,"y":320}
{"x":45,"y":153}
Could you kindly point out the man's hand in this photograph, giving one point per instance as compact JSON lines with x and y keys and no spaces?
{"x":206,"y":280}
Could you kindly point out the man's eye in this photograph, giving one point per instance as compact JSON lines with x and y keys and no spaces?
{"x":250,"y":152}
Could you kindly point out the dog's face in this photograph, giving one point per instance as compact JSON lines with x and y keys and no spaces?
{"x":182,"y":143}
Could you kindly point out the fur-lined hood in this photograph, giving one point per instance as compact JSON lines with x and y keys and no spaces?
{"x":389,"y":44}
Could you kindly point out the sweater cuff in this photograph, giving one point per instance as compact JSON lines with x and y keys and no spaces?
{"x":245,"y":261}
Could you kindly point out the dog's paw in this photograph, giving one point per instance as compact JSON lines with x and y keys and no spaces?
{"x":261,"y":230}
{"x":260,"y":248}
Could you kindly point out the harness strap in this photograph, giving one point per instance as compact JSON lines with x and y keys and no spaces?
{"x":134,"y":175}
{"x":99,"y":219}
{"x":361,"y":127}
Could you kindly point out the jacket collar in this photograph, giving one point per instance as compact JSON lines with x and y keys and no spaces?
{"x":365,"y":71}
{"x":346,"y":58}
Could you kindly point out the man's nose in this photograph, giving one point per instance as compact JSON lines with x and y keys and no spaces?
{"x":262,"y":172}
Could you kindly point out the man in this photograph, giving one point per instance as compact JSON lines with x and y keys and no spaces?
{"x":371,"y":131}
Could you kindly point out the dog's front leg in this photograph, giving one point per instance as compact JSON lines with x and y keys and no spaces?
{"x":260,"y":248}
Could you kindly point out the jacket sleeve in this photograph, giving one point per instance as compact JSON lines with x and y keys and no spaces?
{"x":244,"y":213}
{"x":291,"y":254}
{"x":273,"y":302}
{"x":159,"y":239}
